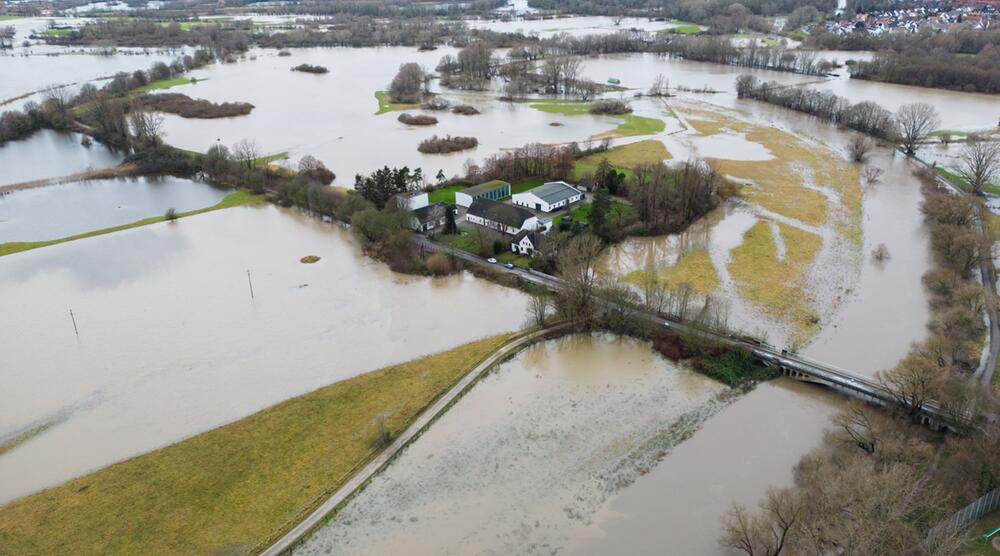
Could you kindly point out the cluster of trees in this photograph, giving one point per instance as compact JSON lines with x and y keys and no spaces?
{"x":187,"y":107}
{"x":447,"y":144}
{"x":310,"y":68}
{"x":417,"y":119}
{"x":721,"y":50}
{"x":668,"y":200}
{"x":409,"y":84}
{"x":381,"y":185}
{"x":471,"y":68}
{"x":105,"y":110}
{"x":534,"y":160}
{"x":347,"y":30}
{"x":910,"y":125}
{"x":233,"y":37}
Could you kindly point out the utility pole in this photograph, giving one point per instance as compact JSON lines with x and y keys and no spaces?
{"x":250,"y":282}
{"x":75,"y":329}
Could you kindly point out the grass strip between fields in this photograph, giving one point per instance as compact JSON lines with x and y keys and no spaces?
{"x":237,"y":198}
{"x":164,"y":84}
{"x":231,"y":490}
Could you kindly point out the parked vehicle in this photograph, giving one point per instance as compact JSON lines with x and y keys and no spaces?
{"x":491,"y":260}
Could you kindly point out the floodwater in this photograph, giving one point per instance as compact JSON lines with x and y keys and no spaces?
{"x":72,"y":208}
{"x":50,"y":154}
{"x":167,"y":325}
{"x":527,"y":460}
{"x":332,"y":116}
{"x":579,"y":25}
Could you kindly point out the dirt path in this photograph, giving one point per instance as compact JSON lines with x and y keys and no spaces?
{"x":102,"y":173}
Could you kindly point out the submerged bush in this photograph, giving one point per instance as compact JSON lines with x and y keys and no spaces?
{"x":187,"y":107}
{"x":465,"y":110}
{"x":308,"y":68}
{"x":419,"y":119}
{"x":449,"y":144}
{"x":610,"y":106}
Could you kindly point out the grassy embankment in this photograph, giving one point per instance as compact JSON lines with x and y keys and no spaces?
{"x":693,"y":268}
{"x":386,"y":105}
{"x":237,"y":198}
{"x":164,"y":84}
{"x":631,"y":125}
{"x":233,"y":489}
{"x":682,"y":27}
{"x":990,"y":187}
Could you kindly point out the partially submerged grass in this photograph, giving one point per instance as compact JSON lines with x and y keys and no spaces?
{"x":265,"y":160}
{"x":386,"y":105}
{"x":635,"y":125}
{"x":234,"y":199}
{"x":233,"y":489}
{"x":625,"y":157}
{"x":777,"y":286}
{"x":165,"y":84}
{"x":958,"y":180}
{"x":560,"y":106}
{"x":24,"y":436}
{"x":694,"y":268}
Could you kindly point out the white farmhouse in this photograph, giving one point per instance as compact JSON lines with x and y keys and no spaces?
{"x":527,"y":243}
{"x":506,"y":219}
{"x":548,"y":196}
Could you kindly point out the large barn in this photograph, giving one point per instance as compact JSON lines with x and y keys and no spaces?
{"x":548,"y":197}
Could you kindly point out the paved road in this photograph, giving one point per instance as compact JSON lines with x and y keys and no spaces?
{"x":316,"y":518}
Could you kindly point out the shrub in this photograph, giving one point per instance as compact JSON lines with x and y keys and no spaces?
{"x":438,"y":264}
{"x":284,"y":53}
{"x":610,"y":106}
{"x":465,"y":110}
{"x":187,"y":107}
{"x":170,"y":215}
{"x":435,"y":103}
{"x":449,"y":144}
{"x":419,"y":119}
{"x":308,"y":68}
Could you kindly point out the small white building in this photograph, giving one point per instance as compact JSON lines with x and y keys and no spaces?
{"x":491,"y":190}
{"x":527,"y":243}
{"x":506,"y":219}
{"x":429,"y":218}
{"x":411,"y":200}
{"x":548,"y":196}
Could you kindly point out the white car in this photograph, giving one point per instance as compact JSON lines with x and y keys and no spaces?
{"x":491,"y":260}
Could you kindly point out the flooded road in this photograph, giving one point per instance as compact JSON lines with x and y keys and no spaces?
{"x":67,"y":209}
{"x":171,"y":344}
{"x":525,"y":461}
{"x":49,"y":154}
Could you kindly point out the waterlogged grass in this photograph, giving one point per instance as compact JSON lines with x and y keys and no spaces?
{"x":777,"y":285}
{"x":694,"y":268}
{"x":165,"y":84}
{"x":9,"y":17}
{"x":564,"y":107}
{"x":237,"y":198}
{"x":265,"y":160}
{"x":958,"y":180}
{"x":233,"y":489}
{"x":58,"y":32}
{"x":444,"y":194}
{"x":386,"y":105}
{"x":23,"y":437}
{"x":635,"y":125}
{"x":625,"y":157}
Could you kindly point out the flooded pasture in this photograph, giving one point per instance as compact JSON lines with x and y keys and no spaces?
{"x":167,"y":325}
{"x":525,"y":462}
{"x":72,"y":208}
{"x":49,"y":154}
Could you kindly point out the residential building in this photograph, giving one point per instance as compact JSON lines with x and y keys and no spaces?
{"x":506,"y":219}
{"x":527,"y":243}
{"x":491,"y":190}
{"x":548,"y":196}
{"x":429,"y":218}
{"x":410,"y":200}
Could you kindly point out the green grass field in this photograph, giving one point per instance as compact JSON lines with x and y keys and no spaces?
{"x":639,"y":125}
{"x":9,"y":17}
{"x":235,"y":199}
{"x":57,"y":32}
{"x":631,"y":124}
{"x":444,"y":194}
{"x":581,"y":213}
{"x":624,"y":158}
{"x":233,"y":489}
{"x":386,"y":105}
{"x":526,"y":185}
{"x":164,"y":84}
{"x":963,"y":183}
{"x":559,"y":106}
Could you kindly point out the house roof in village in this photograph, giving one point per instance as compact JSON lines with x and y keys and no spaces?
{"x":499,"y":212}
{"x":554,"y":191}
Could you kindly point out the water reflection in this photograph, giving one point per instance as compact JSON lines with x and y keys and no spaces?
{"x":49,"y":154}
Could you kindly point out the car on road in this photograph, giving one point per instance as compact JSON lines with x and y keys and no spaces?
{"x":509,"y":266}
{"x":491,"y":260}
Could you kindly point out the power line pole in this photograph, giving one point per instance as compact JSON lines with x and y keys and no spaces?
{"x":250,"y":282}
{"x":75,"y":329}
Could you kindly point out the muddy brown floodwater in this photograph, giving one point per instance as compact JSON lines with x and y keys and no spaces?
{"x":171,"y":344}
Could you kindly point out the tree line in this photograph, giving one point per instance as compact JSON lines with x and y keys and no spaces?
{"x":721,"y":50}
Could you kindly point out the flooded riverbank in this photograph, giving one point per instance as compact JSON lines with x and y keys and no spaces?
{"x":67,"y":209}
{"x":167,"y":325}
{"x":48,"y":154}
{"x":525,"y":461}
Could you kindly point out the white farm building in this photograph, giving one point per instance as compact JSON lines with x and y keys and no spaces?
{"x":548,"y":196}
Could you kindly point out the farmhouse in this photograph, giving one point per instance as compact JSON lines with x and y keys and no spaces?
{"x":503,"y":218}
{"x":491,"y":190}
{"x":527,"y":242}
{"x":549,"y":196}
{"x":428,"y":218}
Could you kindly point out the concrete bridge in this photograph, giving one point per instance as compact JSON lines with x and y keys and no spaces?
{"x":792,"y":365}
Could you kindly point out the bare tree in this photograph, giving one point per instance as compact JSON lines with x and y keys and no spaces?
{"x":407,"y":84}
{"x":857,"y":428}
{"x":913,"y":382}
{"x":980,"y":162}
{"x":915,"y":122}
{"x":246,"y":151}
{"x":577,"y":262}
{"x":767,"y":532}
{"x":660,"y":86}
{"x":147,"y":129}
{"x":872,"y":174}
{"x":859,"y":147}
{"x":538,"y":307}
{"x":881,"y":253}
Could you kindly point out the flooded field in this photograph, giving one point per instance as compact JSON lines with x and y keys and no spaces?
{"x":167,"y":324}
{"x":72,"y":208}
{"x":526,"y":461}
{"x":50,"y":154}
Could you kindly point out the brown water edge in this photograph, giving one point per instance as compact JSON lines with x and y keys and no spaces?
{"x":171,"y":343}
